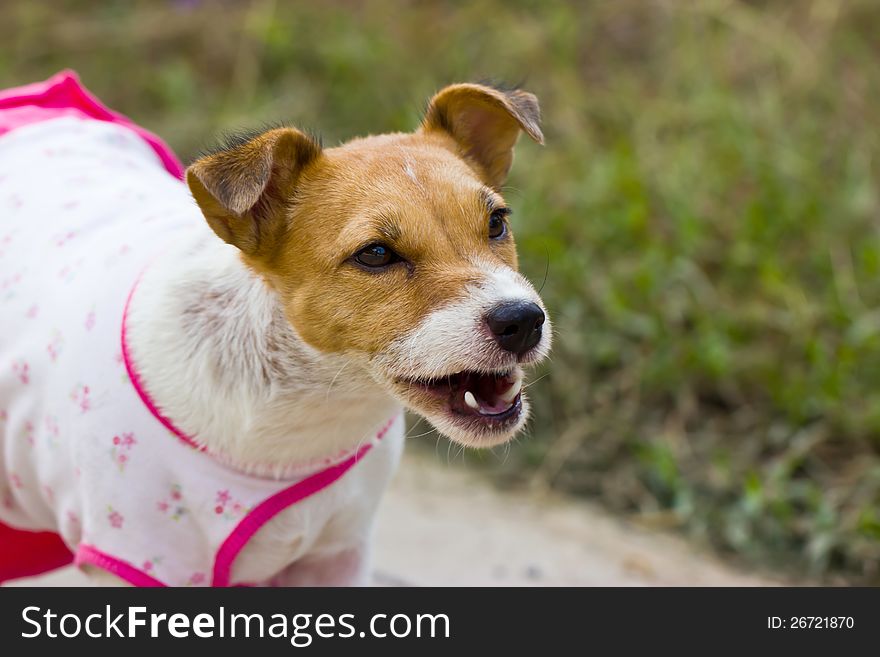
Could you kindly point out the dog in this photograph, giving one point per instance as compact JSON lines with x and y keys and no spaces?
{"x":203,"y":384}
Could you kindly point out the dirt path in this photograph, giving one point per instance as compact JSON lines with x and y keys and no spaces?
{"x":441,"y":525}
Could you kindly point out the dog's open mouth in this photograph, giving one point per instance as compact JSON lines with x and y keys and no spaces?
{"x":493,"y":398}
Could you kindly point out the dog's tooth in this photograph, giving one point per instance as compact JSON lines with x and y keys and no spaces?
{"x":511,"y":394}
{"x":471,"y":401}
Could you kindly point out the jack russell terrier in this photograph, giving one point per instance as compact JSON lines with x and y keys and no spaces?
{"x":178,"y":409}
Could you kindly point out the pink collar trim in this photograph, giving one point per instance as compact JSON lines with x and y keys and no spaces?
{"x":243,"y":532}
{"x":331,"y":470}
{"x":271,"y":507}
{"x":137,"y":382}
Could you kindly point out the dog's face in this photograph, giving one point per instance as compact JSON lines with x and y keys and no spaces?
{"x":396,"y":251}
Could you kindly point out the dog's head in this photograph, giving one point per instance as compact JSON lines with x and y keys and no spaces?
{"x":396,"y":251}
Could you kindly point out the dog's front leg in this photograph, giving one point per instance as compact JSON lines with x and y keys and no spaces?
{"x":349,"y":567}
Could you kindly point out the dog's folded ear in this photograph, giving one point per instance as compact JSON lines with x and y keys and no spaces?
{"x":485,"y":123}
{"x":244,"y":188}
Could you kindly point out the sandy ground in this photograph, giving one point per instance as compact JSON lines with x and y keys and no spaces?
{"x":443,"y":526}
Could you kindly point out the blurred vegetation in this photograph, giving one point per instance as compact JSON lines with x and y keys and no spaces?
{"x":706,"y":210}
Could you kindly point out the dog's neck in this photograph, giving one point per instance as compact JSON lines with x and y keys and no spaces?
{"x":217,"y":356}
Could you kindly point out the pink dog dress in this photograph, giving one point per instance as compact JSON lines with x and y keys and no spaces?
{"x":90,"y":470}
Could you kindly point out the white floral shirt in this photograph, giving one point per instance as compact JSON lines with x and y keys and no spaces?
{"x":80,"y":453}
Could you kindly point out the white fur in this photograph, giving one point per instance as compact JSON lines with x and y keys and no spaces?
{"x":213,"y":349}
{"x":212,"y":343}
{"x":218,"y":356}
{"x":410,"y":171}
{"x":455,"y":337}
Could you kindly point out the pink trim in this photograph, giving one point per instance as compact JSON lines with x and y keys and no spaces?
{"x":86,"y":554}
{"x":243,"y":532}
{"x":272,"y":506}
{"x":136,"y":381}
{"x":251,"y":523}
{"x":138,"y":384}
{"x":63,"y":95}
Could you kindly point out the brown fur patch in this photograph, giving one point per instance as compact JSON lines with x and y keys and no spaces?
{"x":299,"y":215}
{"x":243,"y":190}
{"x":485,"y":123}
{"x":346,"y":201}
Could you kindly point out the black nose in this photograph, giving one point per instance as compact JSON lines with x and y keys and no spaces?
{"x":516,"y":325}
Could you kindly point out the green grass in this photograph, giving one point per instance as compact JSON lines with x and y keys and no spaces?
{"x":706,"y":209}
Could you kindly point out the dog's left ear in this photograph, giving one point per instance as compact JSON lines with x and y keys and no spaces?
{"x":244,"y":188}
{"x":485,"y":123}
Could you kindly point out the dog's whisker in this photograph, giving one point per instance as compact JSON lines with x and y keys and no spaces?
{"x":531,"y":383}
{"x":336,"y":376}
{"x":546,"y":270}
{"x":409,"y":433}
{"x":426,"y":433}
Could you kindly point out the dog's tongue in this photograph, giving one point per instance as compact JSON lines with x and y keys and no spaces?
{"x":490,"y":395}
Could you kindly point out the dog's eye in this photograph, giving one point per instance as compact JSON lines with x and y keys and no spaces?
{"x":375,"y":256}
{"x":497,"y":225}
